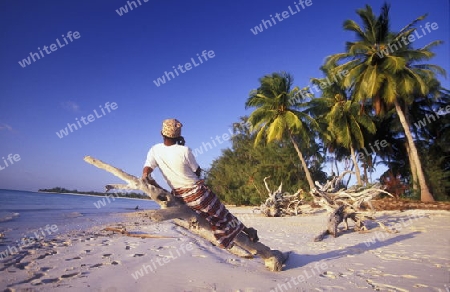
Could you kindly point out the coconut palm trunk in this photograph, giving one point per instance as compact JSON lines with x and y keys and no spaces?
{"x":302,"y":159}
{"x":336,"y":164}
{"x":355,"y":163}
{"x":425,"y":194}
{"x":412,"y":165}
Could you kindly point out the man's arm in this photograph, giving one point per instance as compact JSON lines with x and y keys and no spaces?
{"x":146,"y":171}
{"x":147,"y":178}
{"x":198,"y":172}
{"x":192,"y":163}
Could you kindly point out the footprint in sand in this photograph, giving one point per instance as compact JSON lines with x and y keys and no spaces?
{"x":22,"y":266}
{"x":379,"y":286}
{"x":43,"y":256}
{"x":35,"y":279}
{"x":75,"y":258}
{"x":130,"y":245}
{"x":36,"y":282}
{"x":49,"y":281}
{"x":330,"y":288}
{"x":420,"y":286}
{"x":232,"y":261}
{"x":329,"y":274}
{"x":45,"y":269}
{"x":106,"y":255}
{"x":96,"y":266}
{"x":138,"y":255}
{"x":115,"y":263}
{"x":70,"y":269}
{"x":65,"y":276}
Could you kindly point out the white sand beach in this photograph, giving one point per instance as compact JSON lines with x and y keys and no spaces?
{"x":417,"y":258}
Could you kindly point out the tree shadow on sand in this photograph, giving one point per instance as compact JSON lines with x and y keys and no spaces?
{"x":302,"y":260}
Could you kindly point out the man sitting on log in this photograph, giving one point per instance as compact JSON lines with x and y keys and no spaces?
{"x":182,"y":173}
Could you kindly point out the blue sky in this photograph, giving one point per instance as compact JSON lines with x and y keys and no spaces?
{"x":116,"y":58}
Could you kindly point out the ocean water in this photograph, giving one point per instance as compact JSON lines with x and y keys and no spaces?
{"x":32,"y":215}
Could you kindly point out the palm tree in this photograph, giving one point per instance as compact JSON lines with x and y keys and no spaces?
{"x":343,"y":117}
{"x":345,"y":124}
{"x":279,"y":113}
{"x":383,"y":66}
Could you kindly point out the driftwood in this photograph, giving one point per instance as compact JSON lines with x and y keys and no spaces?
{"x":329,"y":196}
{"x":173,"y":208}
{"x":280,"y":204}
{"x":343,"y":204}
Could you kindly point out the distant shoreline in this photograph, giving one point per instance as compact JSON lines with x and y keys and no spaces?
{"x":82,"y":194}
{"x":96,"y":194}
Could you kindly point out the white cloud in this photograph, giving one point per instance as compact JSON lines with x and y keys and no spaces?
{"x":71,"y":106}
{"x":6,"y":127}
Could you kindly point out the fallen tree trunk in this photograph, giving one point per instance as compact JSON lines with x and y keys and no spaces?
{"x":174,"y":208}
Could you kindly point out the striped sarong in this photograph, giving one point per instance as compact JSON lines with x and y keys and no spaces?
{"x":205,"y":203}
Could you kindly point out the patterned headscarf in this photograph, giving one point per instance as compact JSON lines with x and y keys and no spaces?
{"x":171,"y":128}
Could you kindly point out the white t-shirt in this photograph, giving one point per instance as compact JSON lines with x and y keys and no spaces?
{"x":176,"y":162}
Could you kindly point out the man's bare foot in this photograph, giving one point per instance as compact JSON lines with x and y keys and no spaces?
{"x":252,"y":234}
{"x":275,"y":263}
